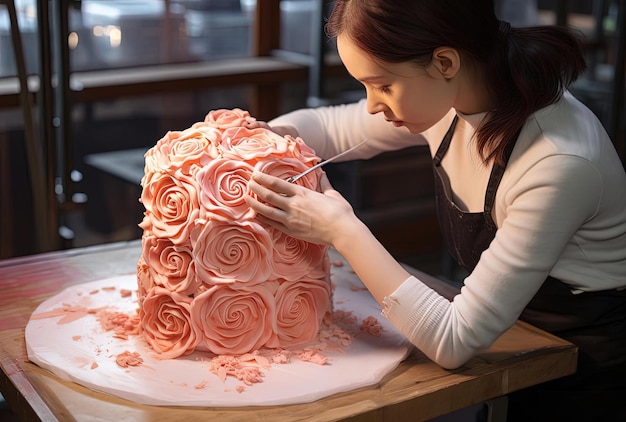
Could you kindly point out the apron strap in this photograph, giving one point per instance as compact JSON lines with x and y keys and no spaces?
{"x":445,"y":143}
{"x":494,"y":181}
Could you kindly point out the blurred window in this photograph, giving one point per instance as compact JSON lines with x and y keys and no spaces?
{"x":109,"y":34}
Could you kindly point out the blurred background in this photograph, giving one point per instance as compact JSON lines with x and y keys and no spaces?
{"x":86,"y":87}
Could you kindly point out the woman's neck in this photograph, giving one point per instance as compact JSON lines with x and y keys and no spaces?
{"x":473,"y":96}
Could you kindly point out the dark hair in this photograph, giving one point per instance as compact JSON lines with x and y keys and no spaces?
{"x":527,"y":68}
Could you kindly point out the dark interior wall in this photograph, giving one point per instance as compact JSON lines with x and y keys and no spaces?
{"x":575,"y":6}
{"x":16,"y":209}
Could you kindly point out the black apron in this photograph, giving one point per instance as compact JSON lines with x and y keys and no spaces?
{"x":594,"y":321}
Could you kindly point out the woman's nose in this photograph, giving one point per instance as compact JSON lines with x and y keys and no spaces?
{"x":374,"y":105}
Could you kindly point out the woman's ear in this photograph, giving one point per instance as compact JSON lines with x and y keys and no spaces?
{"x":447,"y":61}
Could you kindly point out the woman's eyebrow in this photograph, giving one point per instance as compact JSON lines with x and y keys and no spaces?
{"x":372,"y":79}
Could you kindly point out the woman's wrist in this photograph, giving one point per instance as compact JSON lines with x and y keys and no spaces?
{"x":348,"y":231}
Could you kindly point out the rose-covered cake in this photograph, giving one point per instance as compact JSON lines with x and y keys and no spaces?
{"x":211,"y":277}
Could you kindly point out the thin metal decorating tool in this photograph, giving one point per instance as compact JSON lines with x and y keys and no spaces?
{"x":320,"y":164}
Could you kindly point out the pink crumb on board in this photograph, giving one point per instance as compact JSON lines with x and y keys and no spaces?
{"x":126,"y":359}
{"x":371,"y":326}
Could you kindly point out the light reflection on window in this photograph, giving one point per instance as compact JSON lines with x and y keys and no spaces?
{"x":72,"y":40}
{"x":112,"y":32}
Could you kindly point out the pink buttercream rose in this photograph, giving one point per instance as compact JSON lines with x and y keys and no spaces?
{"x":144,"y":279}
{"x":192,"y":150}
{"x":171,"y":204}
{"x":295,"y":258}
{"x":152,"y":165}
{"x":253,"y":144}
{"x":300,"y":307}
{"x":229,"y":252}
{"x":323,"y":271}
{"x":156,"y":158}
{"x":210,"y":131}
{"x":223,"y":186}
{"x":185,"y":151}
{"x":165,"y":319}
{"x":171,"y":266}
{"x":302,"y":151}
{"x":224,"y":118}
{"x":233,"y":321}
{"x":146,"y":225}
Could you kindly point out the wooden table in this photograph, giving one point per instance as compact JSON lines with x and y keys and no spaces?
{"x":416,"y":390}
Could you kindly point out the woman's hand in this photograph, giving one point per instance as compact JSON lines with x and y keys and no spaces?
{"x":326,"y":218}
{"x":317,"y":217}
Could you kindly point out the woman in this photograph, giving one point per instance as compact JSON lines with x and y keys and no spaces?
{"x":530,"y":191}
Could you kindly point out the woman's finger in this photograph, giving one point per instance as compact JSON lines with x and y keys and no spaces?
{"x":275,"y":184}
{"x":327,"y":189}
{"x":265,"y":209}
{"x":268,"y":196}
{"x":325,"y":183}
{"x":268,"y":221}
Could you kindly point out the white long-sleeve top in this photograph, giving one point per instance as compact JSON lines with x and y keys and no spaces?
{"x":560,"y":210}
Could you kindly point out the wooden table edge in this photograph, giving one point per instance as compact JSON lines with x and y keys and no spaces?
{"x":20,"y":394}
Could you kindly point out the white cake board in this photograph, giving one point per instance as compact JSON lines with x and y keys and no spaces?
{"x":187,"y":381}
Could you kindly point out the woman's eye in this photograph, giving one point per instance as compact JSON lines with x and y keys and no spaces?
{"x":384,"y":89}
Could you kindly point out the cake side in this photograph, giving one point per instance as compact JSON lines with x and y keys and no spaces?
{"x":210,"y":276}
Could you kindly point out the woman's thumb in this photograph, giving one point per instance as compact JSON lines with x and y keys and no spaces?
{"x":324,"y":183}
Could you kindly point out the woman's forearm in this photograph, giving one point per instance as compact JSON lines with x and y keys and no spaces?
{"x":375,"y":266}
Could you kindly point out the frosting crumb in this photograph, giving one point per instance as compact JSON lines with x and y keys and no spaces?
{"x":126,"y":359}
{"x":371,"y":326}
